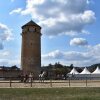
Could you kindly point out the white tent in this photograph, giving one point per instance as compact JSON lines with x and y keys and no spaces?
{"x":85,"y":71}
{"x":97,"y":71}
{"x":74,"y":71}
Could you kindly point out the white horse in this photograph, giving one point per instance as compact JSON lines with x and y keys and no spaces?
{"x":42,"y":76}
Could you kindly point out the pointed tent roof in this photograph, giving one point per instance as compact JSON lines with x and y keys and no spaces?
{"x":85,"y":71}
{"x":74,"y":71}
{"x":97,"y":71}
{"x":30,"y":23}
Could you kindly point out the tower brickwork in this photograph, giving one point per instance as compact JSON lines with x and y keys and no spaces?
{"x":31,"y":48}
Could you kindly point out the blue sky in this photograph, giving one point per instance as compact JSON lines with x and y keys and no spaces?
{"x":70,"y":30}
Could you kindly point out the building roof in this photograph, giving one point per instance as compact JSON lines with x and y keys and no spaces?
{"x":30,"y":23}
{"x":85,"y":71}
{"x":74,"y":71}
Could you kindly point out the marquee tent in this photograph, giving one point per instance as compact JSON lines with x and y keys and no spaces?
{"x":85,"y":71}
{"x":97,"y":71}
{"x":74,"y":71}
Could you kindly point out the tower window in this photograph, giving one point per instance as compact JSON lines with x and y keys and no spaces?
{"x":31,"y":29}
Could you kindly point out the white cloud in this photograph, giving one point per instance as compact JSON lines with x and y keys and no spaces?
{"x":88,"y":17}
{"x":53,"y":55}
{"x":78,"y":42}
{"x":18,"y":10}
{"x":1,"y":46}
{"x":14,"y":62}
{"x":4,"y":57}
{"x":71,"y":55}
{"x":4,"y":54}
{"x":94,"y":50}
{"x":3,"y":62}
{"x":86,"y":58}
{"x":35,"y":2}
{"x":7,"y":59}
{"x":5,"y":34}
{"x":59,"y":17}
{"x":7,"y":62}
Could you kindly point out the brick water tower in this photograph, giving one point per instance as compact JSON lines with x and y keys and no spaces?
{"x":31,"y":48}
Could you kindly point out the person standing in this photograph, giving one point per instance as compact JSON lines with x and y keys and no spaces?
{"x":30,"y":77}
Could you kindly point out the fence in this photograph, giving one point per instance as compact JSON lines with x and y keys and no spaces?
{"x":16,"y":82}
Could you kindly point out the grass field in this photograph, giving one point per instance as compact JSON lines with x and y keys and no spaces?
{"x":49,"y":93}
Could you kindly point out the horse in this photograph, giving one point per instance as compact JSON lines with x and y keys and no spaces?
{"x":42,"y":76}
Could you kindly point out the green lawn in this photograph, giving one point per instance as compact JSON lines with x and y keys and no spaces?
{"x":50,"y":94}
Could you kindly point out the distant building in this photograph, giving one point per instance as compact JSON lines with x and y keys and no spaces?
{"x":31,"y":48}
{"x":10,"y":71}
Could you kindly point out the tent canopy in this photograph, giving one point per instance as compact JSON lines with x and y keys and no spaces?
{"x":97,"y":71}
{"x":85,"y":71}
{"x":74,"y":71}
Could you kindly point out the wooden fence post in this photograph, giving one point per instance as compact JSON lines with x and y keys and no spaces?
{"x":69,"y":81}
{"x":10,"y":82}
{"x":31,"y":81}
{"x":86,"y":81}
{"x":50,"y":83}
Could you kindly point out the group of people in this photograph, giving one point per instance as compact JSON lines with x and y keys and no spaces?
{"x":29,"y":77}
{"x":26,"y":78}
